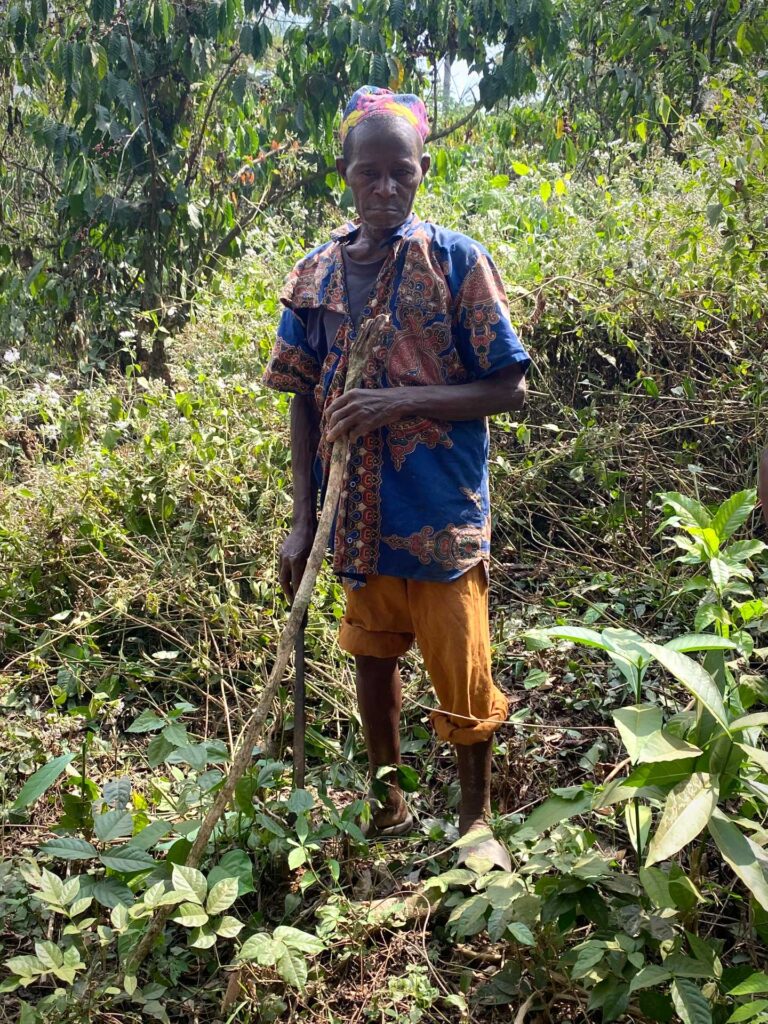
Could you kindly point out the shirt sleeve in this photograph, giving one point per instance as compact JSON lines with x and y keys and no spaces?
{"x":485,"y":339}
{"x":293,"y":365}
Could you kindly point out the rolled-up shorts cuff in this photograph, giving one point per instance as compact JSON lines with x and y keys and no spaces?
{"x":362,"y":642}
{"x":463,"y":732}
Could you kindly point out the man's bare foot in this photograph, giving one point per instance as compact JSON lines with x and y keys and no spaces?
{"x":389,"y":817}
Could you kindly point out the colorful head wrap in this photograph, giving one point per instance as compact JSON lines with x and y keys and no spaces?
{"x":370,"y":101}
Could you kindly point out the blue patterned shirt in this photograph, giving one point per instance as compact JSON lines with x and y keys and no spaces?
{"x":415,"y":498}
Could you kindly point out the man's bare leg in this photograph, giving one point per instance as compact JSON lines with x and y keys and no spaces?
{"x":380,"y":699}
{"x":475,"y":782}
{"x":475,"y":807}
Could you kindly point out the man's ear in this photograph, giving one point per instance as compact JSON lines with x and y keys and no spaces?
{"x":341,"y":167}
{"x":426,"y":162}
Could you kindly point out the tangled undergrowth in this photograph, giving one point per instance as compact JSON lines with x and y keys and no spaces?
{"x":139,"y":526}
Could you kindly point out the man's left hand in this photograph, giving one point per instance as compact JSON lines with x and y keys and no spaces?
{"x":362,"y":410}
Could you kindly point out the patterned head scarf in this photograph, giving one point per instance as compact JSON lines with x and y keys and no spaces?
{"x":370,"y":100}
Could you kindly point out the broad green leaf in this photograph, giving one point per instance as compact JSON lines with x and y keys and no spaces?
{"x":222,"y":895}
{"x":150,"y":835}
{"x":25,"y":966}
{"x":153,"y":894}
{"x":117,"y":792}
{"x":700,"y":642}
{"x":694,"y":678}
{"x":690,"y":1002}
{"x":119,"y":917}
{"x":746,"y":858}
{"x":80,"y":905}
{"x":260,"y":947}
{"x":556,"y":809}
{"x":170,"y":898}
{"x":202,"y":938}
{"x":656,"y":884}
{"x":112,"y":825}
{"x":191,"y":915}
{"x":127,"y":858}
{"x":468,"y":918}
{"x":147,"y":721}
{"x":686,"y":967}
{"x":235,"y":863}
{"x":297,"y":939}
{"x":649,"y":977}
{"x":742,"y":550}
{"x":111,"y":891}
{"x":640,"y":729}
{"x":748,"y":1011}
{"x":69,"y":848}
{"x":689,"y":511}
{"x":576,"y":634}
{"x":545,"y":191}
{"x":228,"y":927}
{"x":588,"y":957}
{"x":190,"y":882}
{"x":49,"y":955}
{"x":749,"y":721}
{"x":686,"y":812}
{"x":41,"y":780}
{"x":521,"y":933}
{"x":755,"y":984}
{"x":733,"y":513}
{"x":756,"y":755}
{"x":297,"y":856}
{"x":663,"y":774}
{"x":520,"y":168}
{"x":708,"y":535}
{"x":292,"y":967}
{"x":720,"y":571}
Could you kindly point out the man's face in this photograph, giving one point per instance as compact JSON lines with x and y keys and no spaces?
{"x":385,"y":167}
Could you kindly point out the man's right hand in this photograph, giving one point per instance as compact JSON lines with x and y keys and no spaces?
{"x":293,"y":558}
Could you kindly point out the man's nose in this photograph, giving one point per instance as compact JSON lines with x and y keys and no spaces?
{"x":386,"y":186}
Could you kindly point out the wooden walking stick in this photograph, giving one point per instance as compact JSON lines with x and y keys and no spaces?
{"x":300,"y":712}
{"x":359,"y":354}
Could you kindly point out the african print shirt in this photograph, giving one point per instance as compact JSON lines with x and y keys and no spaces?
{"x":415,"y":500}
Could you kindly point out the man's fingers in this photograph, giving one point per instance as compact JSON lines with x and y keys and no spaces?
{"x":351,"y":424}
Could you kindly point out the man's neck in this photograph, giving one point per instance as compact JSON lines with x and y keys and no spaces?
{"x":370,"y":242}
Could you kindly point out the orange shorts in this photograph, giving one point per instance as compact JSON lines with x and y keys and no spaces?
{"x":449,"y":621}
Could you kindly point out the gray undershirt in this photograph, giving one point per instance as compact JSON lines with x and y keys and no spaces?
{"x":359,"y":279}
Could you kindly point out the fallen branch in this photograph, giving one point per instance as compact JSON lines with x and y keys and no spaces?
{"x":361,"y":349}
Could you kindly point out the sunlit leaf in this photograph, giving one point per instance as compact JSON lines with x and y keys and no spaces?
{"x":746,"y":858}
{"x":686,"y":813}
{"x":41,"y":780}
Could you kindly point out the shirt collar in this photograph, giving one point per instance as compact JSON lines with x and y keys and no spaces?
{"x":348,"y":231}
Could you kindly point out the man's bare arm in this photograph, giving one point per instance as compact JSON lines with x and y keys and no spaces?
{"x":305,"y":437}
{"x":362,"y":410}
{"x":762,"y":484}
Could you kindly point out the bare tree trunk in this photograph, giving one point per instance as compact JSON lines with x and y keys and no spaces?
{"x":446,"y":84}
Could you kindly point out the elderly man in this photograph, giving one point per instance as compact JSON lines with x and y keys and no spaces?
{"x":413,"y":527}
